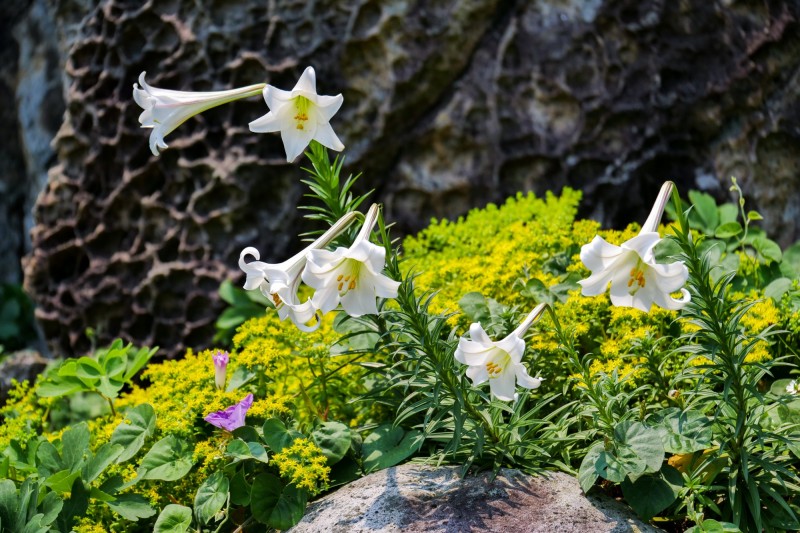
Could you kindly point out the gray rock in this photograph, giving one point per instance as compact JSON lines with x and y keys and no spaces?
{"x":415,"y":498}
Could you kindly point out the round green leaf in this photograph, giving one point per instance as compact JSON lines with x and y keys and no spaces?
{"x":140,"y":424}
{"x":174,"y":519}
{"x":728,"y":230}
{"x":131,"y":507}
{"x":169,"y":459}
{"x":211,"y":496}
{"x":276,"y":505}
{"x":333,"y":438}
{"x":684,"y":432}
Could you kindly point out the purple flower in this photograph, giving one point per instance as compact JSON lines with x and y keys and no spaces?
{"x":220,"y":368}
{"x":231,"y":417}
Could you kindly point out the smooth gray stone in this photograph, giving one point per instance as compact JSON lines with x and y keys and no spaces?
{"x":417,"y":498}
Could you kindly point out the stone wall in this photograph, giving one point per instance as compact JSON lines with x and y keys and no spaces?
{"x":448,"y":105}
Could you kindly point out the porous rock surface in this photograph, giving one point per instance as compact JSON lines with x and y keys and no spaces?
{"x":422,"y":499}
{"x":448,"y":104}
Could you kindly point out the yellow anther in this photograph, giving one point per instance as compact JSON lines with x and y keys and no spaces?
{"x":352,"y":285}
{"x":340,"y":277}
{"x":340,"y":286}
{"x":276,"y":300}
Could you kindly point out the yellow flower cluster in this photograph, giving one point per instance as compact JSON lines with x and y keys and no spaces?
{"x":301,"y":367}
{"x":303,"y":465}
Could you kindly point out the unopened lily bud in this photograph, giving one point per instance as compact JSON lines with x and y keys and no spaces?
{"x":220,"y":368}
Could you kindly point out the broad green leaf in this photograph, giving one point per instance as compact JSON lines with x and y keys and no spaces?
{"x":211,"y":497}
{"x":8,"y":503}
{"x":240,"y":489}
{"x":652,"y":493}
{"x":4,"y":464}
{"x":109,"y":387}
{"x":474,"y":305}
{"x":139,"y":425}
{"x":728,"y":213}
{"x":276,"y":505}
{"x":333,"y":438}
{"x":754,"y":215}
{"x":241,"y":376}
{"x":60,"y":386}
{"x":51,"y":506}
{"x":74,"y":443}
{"x":247,"y":434}
{"x":778,"y":387}
{"x":62,"y":481}
{"x":777,"y":288}
{"x":89,"y":369}
{"x":138,"y":361}
{"x":588,"y":472}
{"x":100,"y":460}
{"x":48,"y":460}
{"x":169,"y":459}
{"x":768,"y":249}
{"x":684,"y":432}
{"x":74,"y":507}
{"x":387,"y":446}
{"x":99,"y":495}
{"x":131,"y":507}
{"x":114,"y":366}
{"x":728,"y":230}
{"x":277,"y":436}
{"x":174,"y":519}
{"x":536,"y":290}
{"x":705,"y":213}
{"x":644,"y":441}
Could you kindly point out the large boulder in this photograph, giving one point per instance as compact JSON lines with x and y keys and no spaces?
{"x":448,"y":105}
{"x":420,"y":499}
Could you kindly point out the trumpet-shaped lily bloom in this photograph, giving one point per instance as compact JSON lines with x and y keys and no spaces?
{"x":498,"y":362}
{"x":635,"y":277}
{"x":231,"y":417}
{"x":281,"y":281}
{"x":352,"y":275}
{"x":220,"y":359}
{"x":301,"y":115}
{"x":165,"y":110}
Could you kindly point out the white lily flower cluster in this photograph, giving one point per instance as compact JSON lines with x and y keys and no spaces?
{"x":300,"y":115}
{"x":631,"y":269}
{"x":350,"y":276}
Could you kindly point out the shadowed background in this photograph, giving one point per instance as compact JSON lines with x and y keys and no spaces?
{"x":448,"y":105}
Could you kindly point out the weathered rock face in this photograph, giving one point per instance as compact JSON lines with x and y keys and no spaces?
{"x":448,"y":104}
{"x":421,"y":499}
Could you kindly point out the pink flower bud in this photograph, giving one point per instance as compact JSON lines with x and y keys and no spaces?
{"x":220,"y":368}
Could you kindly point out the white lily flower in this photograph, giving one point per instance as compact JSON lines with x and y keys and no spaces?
{"x":165,"y":110}
{"x":636,"y":279}
{"x":301,"y":115}
{"x":793,"y":387}
{"x":281,"y":281}
{"x":352,"y":275}
{"x":498,"y":362}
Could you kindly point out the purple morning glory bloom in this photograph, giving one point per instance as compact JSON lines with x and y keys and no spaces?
{"x":231,"y":417}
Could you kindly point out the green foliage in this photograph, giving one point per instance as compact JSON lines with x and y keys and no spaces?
{"x":244,"y":305}
{"x":106,"y":372}
{"x":759,"y":486}
{"x":17,"y":323}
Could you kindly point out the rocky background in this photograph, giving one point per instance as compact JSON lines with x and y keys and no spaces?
{"x":448,"y":105}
